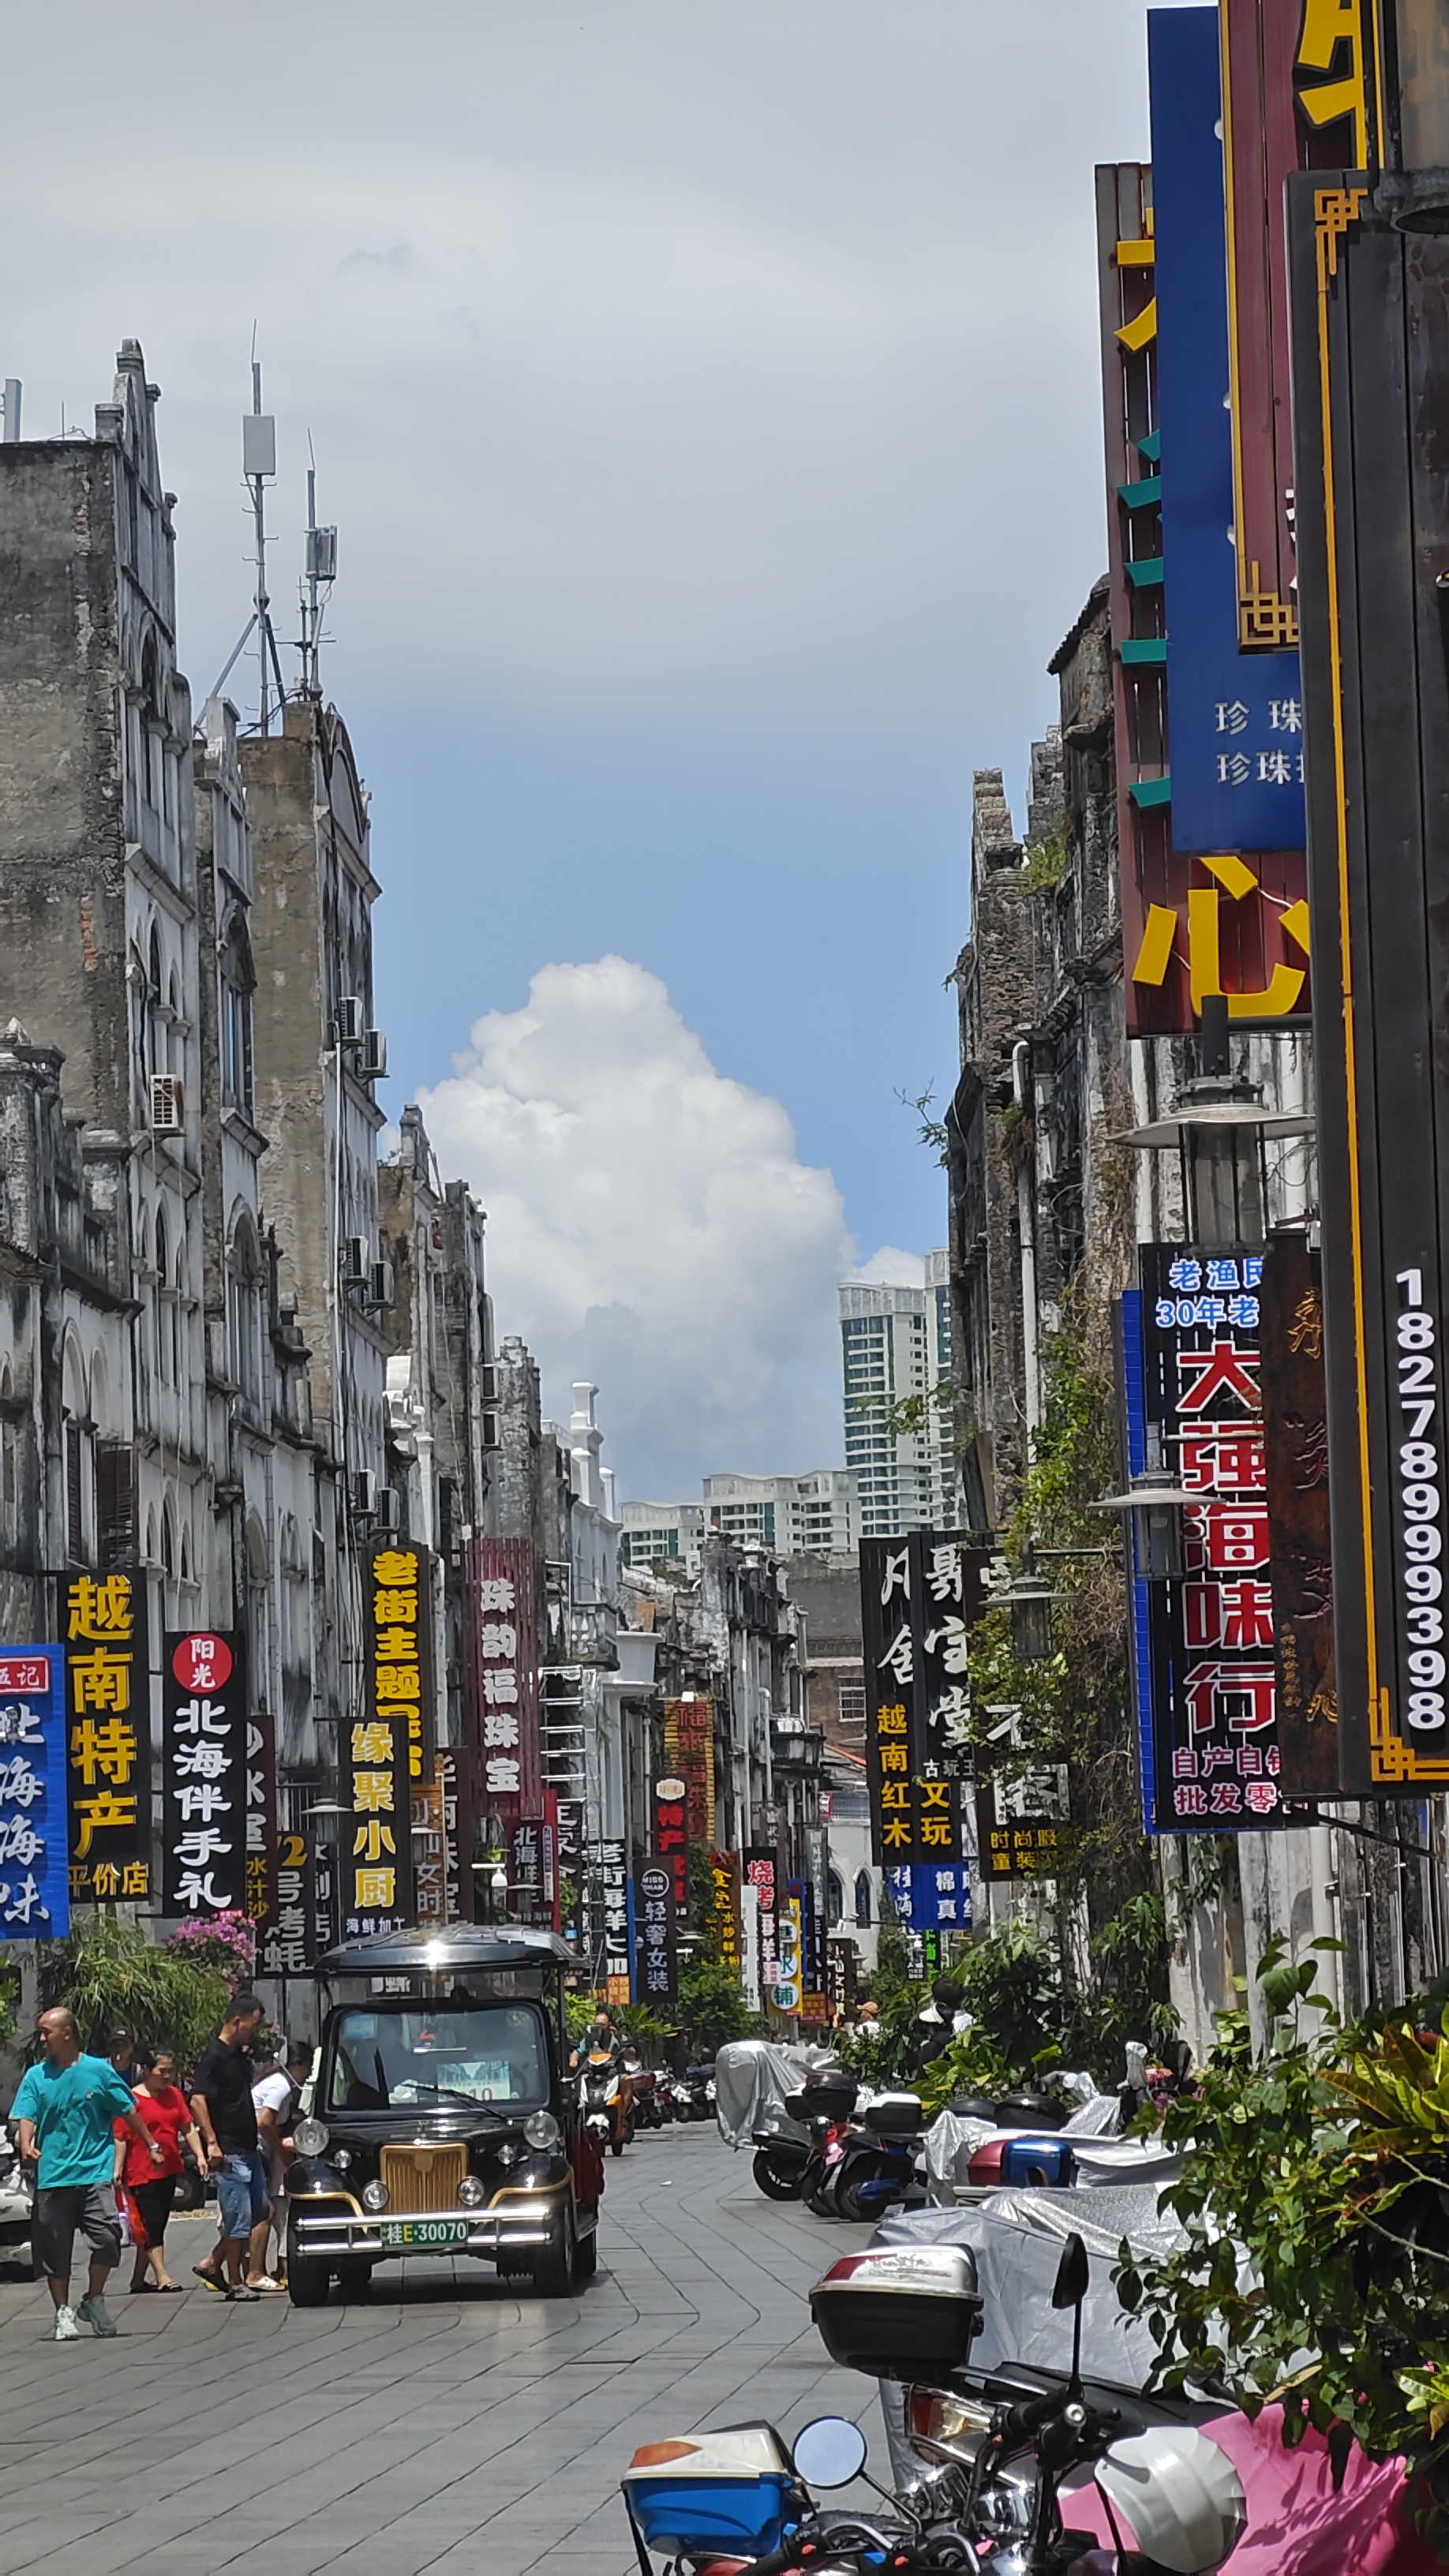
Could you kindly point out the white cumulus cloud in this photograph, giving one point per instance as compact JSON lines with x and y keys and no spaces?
{"x":650,"y":1226}
{"x":891,"y":1268}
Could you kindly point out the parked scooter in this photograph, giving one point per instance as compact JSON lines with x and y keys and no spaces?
{"x":995,"y":2453}
{"x":794,"y":2167}
{"x":602,"y":2100}
{"x":647,"y":2107}
{"x":871,"y":2164}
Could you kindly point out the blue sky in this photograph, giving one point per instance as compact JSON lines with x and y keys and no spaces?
{"x":707,"y":395}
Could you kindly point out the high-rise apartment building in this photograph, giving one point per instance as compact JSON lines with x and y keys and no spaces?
{"x":896,"y":1359}
{"x":810,"y":1515}
{"x":656,"y":1534}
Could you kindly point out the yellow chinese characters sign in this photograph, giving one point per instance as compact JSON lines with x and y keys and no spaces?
{"x":108,"y":1734}
{"x":390,"y":1749}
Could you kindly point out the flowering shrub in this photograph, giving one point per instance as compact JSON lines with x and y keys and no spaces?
{"x":224,"y":1941}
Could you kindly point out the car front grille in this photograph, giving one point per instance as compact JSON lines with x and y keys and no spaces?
{"x":421,"y":2179}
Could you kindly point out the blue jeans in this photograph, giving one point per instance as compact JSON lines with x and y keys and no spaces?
{"x":242,"y":2195}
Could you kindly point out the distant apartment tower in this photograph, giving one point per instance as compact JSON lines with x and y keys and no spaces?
{"x":811,"y":1515}
{"x":946,"y":1503}
{"x":896,"y":1359}
{"x":662,"y":1534}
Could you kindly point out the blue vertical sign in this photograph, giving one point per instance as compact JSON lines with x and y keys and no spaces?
{"x":34,"y":1829}
{"x":1235,"y":719}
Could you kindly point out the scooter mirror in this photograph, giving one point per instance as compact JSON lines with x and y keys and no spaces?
{"x":1073,"y":2275}
{"x":829,"y":2452}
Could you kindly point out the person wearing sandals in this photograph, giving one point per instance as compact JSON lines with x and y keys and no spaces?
{"x":64,"y":2113}
{"x":221,"y":2099}
{"x":151,"y":2189}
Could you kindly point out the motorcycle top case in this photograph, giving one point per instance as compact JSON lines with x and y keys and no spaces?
{"x":835,"y":2099}
{"x":900,"y":2311}
{"x":895,"y":2115}
{"x":1017,"y":2157}
{"x":721,"y":2491}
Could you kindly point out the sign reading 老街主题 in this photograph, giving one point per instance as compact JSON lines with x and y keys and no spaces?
{"x":1203,"y":1639}
{"x":34,"y":1877}
{"x":385,"y":1752}
{"x":203,"y":1774}
{"x":108,"y":1733}
{"x":400,"y":1648}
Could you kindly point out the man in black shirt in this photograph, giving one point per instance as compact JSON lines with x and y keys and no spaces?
{"x":221,"y":2101}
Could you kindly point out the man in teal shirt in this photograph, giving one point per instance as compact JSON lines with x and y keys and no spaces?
{"x":66,"y":2112}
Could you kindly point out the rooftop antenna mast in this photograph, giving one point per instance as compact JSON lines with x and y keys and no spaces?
{"x":259,"y":466}
{"x":321,"y":574}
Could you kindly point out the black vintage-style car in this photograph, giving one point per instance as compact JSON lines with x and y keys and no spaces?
{"x":440,"y":2120}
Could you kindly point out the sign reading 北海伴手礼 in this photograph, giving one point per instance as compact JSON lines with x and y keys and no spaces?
{"x":203,"y":1774}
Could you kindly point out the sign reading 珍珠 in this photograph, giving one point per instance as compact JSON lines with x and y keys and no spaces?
{"x":108,"y":1733}
{"x":34,"y":1878}
{"x":203,"y":1774}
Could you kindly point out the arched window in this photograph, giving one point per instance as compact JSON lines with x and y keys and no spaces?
{"x":76,"y":1410}
{"x":862,"y":1900}
{"x":185,"y":1553}
{"x":168,"y":1541}
{"x":238,"y":983}
{"x":176,"y":1313}
{"x":834,"y":1900}
{"x":175,"y":1033}
{"x":243,"y":1309}
{"x":151,"y":1536}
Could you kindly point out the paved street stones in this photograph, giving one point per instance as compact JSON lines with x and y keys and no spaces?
{"x":407,"y":2430}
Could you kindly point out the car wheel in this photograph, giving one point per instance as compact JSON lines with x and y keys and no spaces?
{"x":774,"y":2184}
{"x":555,"y":2267}
{"x":307,"y":2282}
{"x":190,"y":2190}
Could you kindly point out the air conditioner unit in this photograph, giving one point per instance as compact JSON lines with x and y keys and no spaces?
{"x":372,"y":1062}
{"x":388,"y":1514}
{"x":364,"y":1494}
{"x":356,"y":1262}
{"x":167,"y":1113}
{"x":349,"y":1019}
{"x":381,"y":1285}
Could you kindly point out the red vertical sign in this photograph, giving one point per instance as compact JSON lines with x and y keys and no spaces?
{"x":503,"y":1697}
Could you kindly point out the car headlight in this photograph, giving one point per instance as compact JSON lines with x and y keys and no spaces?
{"x":342,"y":2158}
{"x":471,"y":2194}
{"x":541,"y":2129}
{"x":310,"y":2136}
{"x":510,"y":2154}
{"x":375,"y":2195}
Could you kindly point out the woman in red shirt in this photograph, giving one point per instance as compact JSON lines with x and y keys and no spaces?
{"x":150,"y":2188}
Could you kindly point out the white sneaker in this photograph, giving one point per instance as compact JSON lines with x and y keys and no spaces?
{"x":94,"y":2313}
{"x":66,"y":2329}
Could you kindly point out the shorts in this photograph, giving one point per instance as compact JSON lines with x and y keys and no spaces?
{"x":242,"y":2195}
{"x":89,"y":2206}
{"x":152,"y":2204}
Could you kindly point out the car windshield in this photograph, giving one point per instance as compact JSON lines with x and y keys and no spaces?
{"x":483,"y":2053}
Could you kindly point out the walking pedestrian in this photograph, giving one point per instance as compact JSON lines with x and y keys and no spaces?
{"x":121,"y":2050}
{"x":221,"y":2098}
{"x":152,"y":2193}
{"x":64,"y":2113}
{"x":277,"y":2099}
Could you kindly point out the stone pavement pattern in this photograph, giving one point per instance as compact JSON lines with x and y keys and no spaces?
{"x":440,"y":2423}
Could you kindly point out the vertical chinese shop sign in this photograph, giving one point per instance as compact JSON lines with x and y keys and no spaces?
{"x":34,"y":1879}
{"x":503,"y":1629}
{"x":108,"y":1733}
{"x":1295,"y":1442}
{"x":375,"y":1846}
{"x":204,"y":1774}
{"x":261,"y":1822}
{"x":689,"y":1752}
{"x":1207,"y":1679}
{"x":658,"y":1960}
{"x":289,"y":1943}
{"x":920,"y":1598}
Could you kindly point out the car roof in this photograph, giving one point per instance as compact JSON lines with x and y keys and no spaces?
{"x":433,"y":1953}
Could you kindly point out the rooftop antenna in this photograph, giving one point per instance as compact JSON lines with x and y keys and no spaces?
{"x":321,"y":574}
{"x":11,"y":410}
{"x":259,"y":465}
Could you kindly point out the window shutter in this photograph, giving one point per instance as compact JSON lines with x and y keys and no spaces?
{"x":74,"y":1514}
{"x":115,"y":1503}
